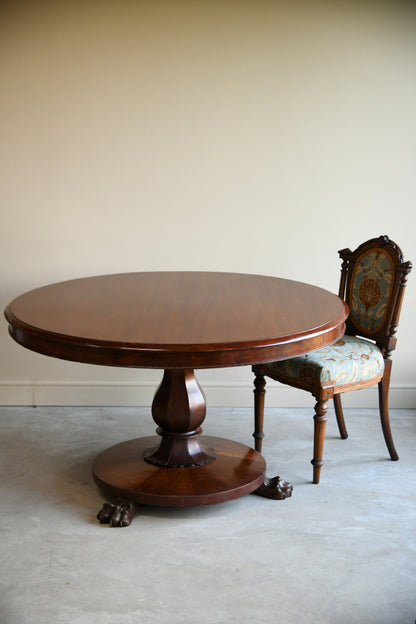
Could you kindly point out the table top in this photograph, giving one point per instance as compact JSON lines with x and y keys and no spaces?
{"x":176,"y":319}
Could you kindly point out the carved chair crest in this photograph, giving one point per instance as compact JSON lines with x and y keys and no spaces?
{"x":372,"y":284}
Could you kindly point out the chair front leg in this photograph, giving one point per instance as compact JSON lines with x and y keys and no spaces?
{"x":340,"y":417}
{"x":383,"y":398}
{"x":259,"y":394}
{"x":320,"y":418}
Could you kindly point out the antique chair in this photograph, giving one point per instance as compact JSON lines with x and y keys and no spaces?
{"x":373,"y":278}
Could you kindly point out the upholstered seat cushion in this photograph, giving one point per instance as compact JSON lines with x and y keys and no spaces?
{"x":349,"y":360}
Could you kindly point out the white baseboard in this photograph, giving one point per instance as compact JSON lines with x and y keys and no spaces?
{"x":236,"y":394}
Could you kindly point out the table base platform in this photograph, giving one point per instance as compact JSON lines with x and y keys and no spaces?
{"x":122,"y":471}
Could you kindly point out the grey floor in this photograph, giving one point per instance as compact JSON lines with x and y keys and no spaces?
{"x":340,"y":552}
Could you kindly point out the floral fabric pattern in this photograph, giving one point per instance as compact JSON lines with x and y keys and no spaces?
{"x":349,"y":360}
{"x":371,"y":285}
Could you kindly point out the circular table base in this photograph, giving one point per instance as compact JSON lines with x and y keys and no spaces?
{"x":236,"y":470}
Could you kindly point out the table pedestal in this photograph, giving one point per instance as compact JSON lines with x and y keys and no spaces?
{"x":179,"y":410}
{"x":182,"y":468}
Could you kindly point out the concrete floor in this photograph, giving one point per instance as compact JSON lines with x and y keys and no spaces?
{"x":340,"y":552}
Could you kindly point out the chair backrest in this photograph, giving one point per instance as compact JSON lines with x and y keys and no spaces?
{"x":373,"y":278}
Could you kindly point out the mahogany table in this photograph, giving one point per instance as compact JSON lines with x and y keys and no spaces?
{"x":178,"y":322}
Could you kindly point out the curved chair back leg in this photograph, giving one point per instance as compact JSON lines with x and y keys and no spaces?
{"x":340,"y":417}
{"x":383,"y":398}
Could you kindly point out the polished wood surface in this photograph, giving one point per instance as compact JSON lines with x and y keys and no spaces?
{"x":176,"y":319}
{"x":236,"y":471}
{"x":179,"y":410}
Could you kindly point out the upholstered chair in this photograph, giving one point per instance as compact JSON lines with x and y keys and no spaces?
{"x":373,"y":279}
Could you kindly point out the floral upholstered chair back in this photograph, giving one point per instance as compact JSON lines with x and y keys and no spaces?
{"x":373,"y":278}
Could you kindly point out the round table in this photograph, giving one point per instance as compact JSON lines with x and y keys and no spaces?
{"x":178,"y":322}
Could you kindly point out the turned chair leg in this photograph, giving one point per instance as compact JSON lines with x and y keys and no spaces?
{"x":259,"y":393}
{"x":321,"y":409}
{"x":340,"y":417}
{"x":383,"y":398}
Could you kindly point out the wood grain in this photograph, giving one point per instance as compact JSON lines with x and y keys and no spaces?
{"x":176,"y":319}
{"x":236,"y":471}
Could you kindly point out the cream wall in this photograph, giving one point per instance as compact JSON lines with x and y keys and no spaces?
{"x":251,"y":136}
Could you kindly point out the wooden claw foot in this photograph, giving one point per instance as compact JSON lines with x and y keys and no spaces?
{"x":276,"y":488}
{"x":118,"y":514}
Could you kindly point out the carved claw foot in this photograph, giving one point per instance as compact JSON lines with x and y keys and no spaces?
{"x":118,"y":514}
{"x":276,"y":488}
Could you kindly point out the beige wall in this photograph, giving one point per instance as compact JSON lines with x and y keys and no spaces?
{"x":252,"y":136}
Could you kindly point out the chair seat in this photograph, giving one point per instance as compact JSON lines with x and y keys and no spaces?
{"x":349,"y":360}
